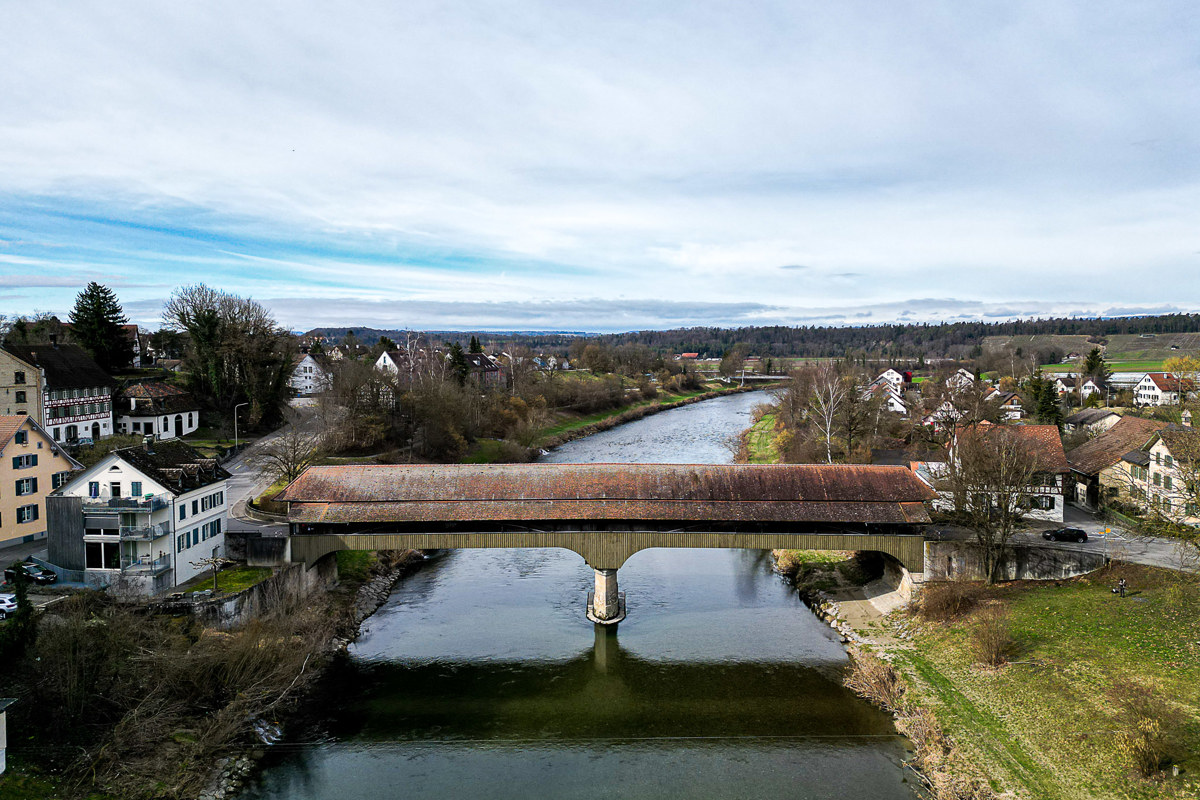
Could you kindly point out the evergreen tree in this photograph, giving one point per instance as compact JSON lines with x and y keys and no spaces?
{"x":475,"y":346}
{"x":1095,"y":367}
{"x":96,"y":324}
{"x":458,"y":363}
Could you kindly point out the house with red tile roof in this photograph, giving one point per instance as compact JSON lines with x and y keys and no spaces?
{"x":1160,"y":389}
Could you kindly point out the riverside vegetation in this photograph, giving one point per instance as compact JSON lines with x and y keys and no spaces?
{"x":116,"y":702}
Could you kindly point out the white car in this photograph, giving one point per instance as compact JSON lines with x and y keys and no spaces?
{"x":8,"y":605}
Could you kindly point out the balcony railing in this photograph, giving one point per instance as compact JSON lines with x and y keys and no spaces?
{"x":146,"y":565}
{"x":137,"y":504}
{"x":144,"y":533}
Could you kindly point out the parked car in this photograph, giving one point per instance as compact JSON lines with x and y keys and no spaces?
{"x":36,"y":573}
{"x":8,"y":605}
{"x":1065,"y":535}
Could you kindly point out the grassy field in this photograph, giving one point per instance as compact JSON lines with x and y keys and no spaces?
{"x":1050,"y":723}
{"x":229,"y":581}
{"x":760,"y":441}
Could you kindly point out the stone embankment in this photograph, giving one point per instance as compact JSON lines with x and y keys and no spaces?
{"x":375,"y":592}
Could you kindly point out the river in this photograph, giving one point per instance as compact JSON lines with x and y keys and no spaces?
{"x":481,"y":678}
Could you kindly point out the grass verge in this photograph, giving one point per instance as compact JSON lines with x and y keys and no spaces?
{"x":229,"y":581}
{"x":1056,"y":720}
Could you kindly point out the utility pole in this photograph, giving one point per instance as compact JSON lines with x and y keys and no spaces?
{"x":235,"y":429}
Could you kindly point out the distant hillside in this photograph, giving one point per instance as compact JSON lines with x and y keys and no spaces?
{"x":534,"y":339}
{"x":1126,"y":338}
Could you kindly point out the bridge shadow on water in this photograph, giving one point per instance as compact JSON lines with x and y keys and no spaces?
{"x":603,"y":693}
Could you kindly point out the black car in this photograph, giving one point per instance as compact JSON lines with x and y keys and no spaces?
{"x":1065,"y":535}
{"x":37,"y":574}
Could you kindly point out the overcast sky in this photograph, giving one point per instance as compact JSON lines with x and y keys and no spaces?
{"x":604,"y":165}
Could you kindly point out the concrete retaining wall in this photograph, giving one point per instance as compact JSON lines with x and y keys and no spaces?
{"x":288,"y":583}
{"x":949,"y":561}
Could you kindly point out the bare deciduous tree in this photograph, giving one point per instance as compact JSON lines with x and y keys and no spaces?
{"x":828,"y":395}
{"x":285,"y":456}
{"x":988,"y":476}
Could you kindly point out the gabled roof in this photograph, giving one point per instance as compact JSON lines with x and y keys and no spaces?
{"x":11,"y":423}
{"x":531,"y":492}
{"x":67,"y":366}
{"x":1181,"y":441}
{"x":174,"y":464}
{"x":152,"y":390}
{"x":1111,"y":446}
{"x":1043,"y":441}
{"x":1089,"y":416}
{"x":1047,"y":446}
{"x":1167,"y":382}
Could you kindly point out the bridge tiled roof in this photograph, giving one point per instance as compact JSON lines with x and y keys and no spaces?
{"x":528,"y":492}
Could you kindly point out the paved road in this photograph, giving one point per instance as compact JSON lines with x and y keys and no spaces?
{"x":1104,"y":538}
{"x":248,"y":481}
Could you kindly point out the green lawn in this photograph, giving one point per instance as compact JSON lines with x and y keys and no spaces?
{"x":484,"y":451}
{"x":1049,"y":721}
{"x":760,"y":441}
{"x":229,"y":581}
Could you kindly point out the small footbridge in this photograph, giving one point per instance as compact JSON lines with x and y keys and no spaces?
{"x":607,"y":512}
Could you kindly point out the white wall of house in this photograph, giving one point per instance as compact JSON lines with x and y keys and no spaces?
{"x":72,"y":414}
{"x":309,"y":377}
{"x":167,"y":426}
{"x":168,"y":530}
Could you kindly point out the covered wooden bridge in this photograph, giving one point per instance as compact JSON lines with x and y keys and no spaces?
{"x":608,"y":512}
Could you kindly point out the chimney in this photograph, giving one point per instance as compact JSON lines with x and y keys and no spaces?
{"x":148,"y":444}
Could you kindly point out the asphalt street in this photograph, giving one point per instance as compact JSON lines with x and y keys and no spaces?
{"x":1115,"y":542}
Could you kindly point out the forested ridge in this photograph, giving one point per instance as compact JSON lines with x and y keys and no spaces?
{"x":896,"y":340}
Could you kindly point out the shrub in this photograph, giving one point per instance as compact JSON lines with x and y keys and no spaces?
{"x":875,"y":679}
{"x":991,"y":638}
{"x":1148,"y":728}
{"x":943,"y":601}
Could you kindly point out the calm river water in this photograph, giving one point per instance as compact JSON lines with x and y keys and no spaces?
{"x":481,"y":678}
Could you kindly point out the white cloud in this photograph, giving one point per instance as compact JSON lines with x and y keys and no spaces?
{"x":514,"y":150}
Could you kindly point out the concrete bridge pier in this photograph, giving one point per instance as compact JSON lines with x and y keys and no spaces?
{"x":606,"y":605}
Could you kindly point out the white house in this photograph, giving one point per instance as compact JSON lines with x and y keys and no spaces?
{"x":1094,"y":420}
{"x":893,"y":377}
{"x":892,"y":398}
{"x":140,"y":519}
{"x":1159,"y":389}
{"x":308,"y":376}
{"x":1089,"y":388}
{"x":961,"y":379}
{"x":158,"y":409}
{"x":1009,"y":402}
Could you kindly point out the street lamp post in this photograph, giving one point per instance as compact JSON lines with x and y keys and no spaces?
{"x":235,"y":430}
